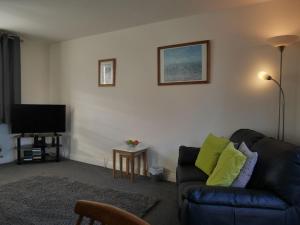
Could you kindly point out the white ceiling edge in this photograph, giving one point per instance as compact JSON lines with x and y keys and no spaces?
{"x":58,"y":20}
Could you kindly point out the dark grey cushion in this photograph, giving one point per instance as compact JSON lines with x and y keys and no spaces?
{"x":190,"y":173}
{"x":187,"y":155}
{"x":250,"y":137}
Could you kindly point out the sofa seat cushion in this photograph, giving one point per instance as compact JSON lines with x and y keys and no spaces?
{"x":190,"y":173}
{"x":236,"y":197}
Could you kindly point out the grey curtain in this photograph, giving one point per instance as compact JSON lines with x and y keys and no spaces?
{"x":10,"y":75}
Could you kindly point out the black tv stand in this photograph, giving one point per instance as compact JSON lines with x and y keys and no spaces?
{"x":39,"y":143}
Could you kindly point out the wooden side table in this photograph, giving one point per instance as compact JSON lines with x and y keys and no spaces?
{"x":130,"y":153}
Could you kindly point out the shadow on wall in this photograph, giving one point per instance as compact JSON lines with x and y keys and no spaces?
{"x":88,"y":142}
{"x":66,"y":138}
{"x":84,"y":139}
{"x":97,"y":123}
{"x":7,"y":153}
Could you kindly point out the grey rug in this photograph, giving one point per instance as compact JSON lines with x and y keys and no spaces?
{"x":51,"y":200}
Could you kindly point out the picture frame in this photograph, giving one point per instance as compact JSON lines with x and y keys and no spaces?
{"x":107,"y":72}
{"x":186,"y":63}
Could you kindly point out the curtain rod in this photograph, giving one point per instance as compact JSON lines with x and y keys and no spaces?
{"x":11,"y":35}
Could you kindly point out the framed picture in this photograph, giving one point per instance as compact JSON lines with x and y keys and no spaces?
{"x":107,"y":72}
{"x":186,"y":63}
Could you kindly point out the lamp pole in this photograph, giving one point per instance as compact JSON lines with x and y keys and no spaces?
{"x":264,"y":76}
{"x":282,"y":96}
{"x":281,"y":49}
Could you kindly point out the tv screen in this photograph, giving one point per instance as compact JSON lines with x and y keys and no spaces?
{"x":27,"y":118}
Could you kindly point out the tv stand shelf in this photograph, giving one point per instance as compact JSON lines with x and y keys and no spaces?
{"x":40,"y":145}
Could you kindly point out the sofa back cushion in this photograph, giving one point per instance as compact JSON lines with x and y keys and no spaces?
{"x":277,"y":169}
{"x":250,"y":137}
{"x":187,"y":155}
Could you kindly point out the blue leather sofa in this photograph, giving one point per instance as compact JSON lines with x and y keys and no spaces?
{"x":272,"y":196}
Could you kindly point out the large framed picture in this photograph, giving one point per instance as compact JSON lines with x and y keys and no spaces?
{"x":186,"y":63}
{"x":107,"y":72}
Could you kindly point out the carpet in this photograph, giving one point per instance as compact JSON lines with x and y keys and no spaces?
{"x":50,"y":201}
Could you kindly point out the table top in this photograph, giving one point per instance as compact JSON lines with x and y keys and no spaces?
{"x":127,"y":148}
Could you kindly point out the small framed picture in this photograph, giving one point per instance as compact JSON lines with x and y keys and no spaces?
{"x":186,"y":63}
{"x":107,"y":72}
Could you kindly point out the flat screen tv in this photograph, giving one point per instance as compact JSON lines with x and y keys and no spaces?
{"x":27,"y":118}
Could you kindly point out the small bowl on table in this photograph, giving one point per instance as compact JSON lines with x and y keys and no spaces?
{"x":132,"y":143}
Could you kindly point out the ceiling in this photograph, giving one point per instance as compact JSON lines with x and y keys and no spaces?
{"x":58,"y":20}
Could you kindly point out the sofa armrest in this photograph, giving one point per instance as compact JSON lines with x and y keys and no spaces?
{"x":187,"y":155}
{"x":234,"y":197}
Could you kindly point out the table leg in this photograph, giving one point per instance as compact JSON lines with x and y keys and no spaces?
{"x":121,"y":165}
{"x":127,"y":166}
{"x":132,"y":167}
{"x":114,"y":163}
{"x":145,"y":163}
{"x":139,"y":165}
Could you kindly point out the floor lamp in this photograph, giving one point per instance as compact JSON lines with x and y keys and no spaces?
{"x":280,"y":42}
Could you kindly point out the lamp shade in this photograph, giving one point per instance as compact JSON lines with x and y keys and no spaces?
{"x":283,"y":40}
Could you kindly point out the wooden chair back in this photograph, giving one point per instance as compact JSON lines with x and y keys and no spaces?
{"x":105,"y":214}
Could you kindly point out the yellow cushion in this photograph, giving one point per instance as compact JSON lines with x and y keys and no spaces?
{"x":210,"y":152}
{"x":228,"y":167}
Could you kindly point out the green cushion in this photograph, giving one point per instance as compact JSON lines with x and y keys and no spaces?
{"x":210,"y":152}
{"x":228,"y":167}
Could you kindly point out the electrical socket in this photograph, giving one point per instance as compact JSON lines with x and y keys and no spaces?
{"x":105,"y":161}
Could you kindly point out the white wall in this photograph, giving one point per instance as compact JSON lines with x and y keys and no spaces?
{"x":292,"y":89}
{"x":35,"y":86}
{"x":35,"y":72}
{"x":168,"y":116}
{"x":298,"y":105}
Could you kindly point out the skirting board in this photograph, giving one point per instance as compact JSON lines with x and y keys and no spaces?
{"x":171,"y":176}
